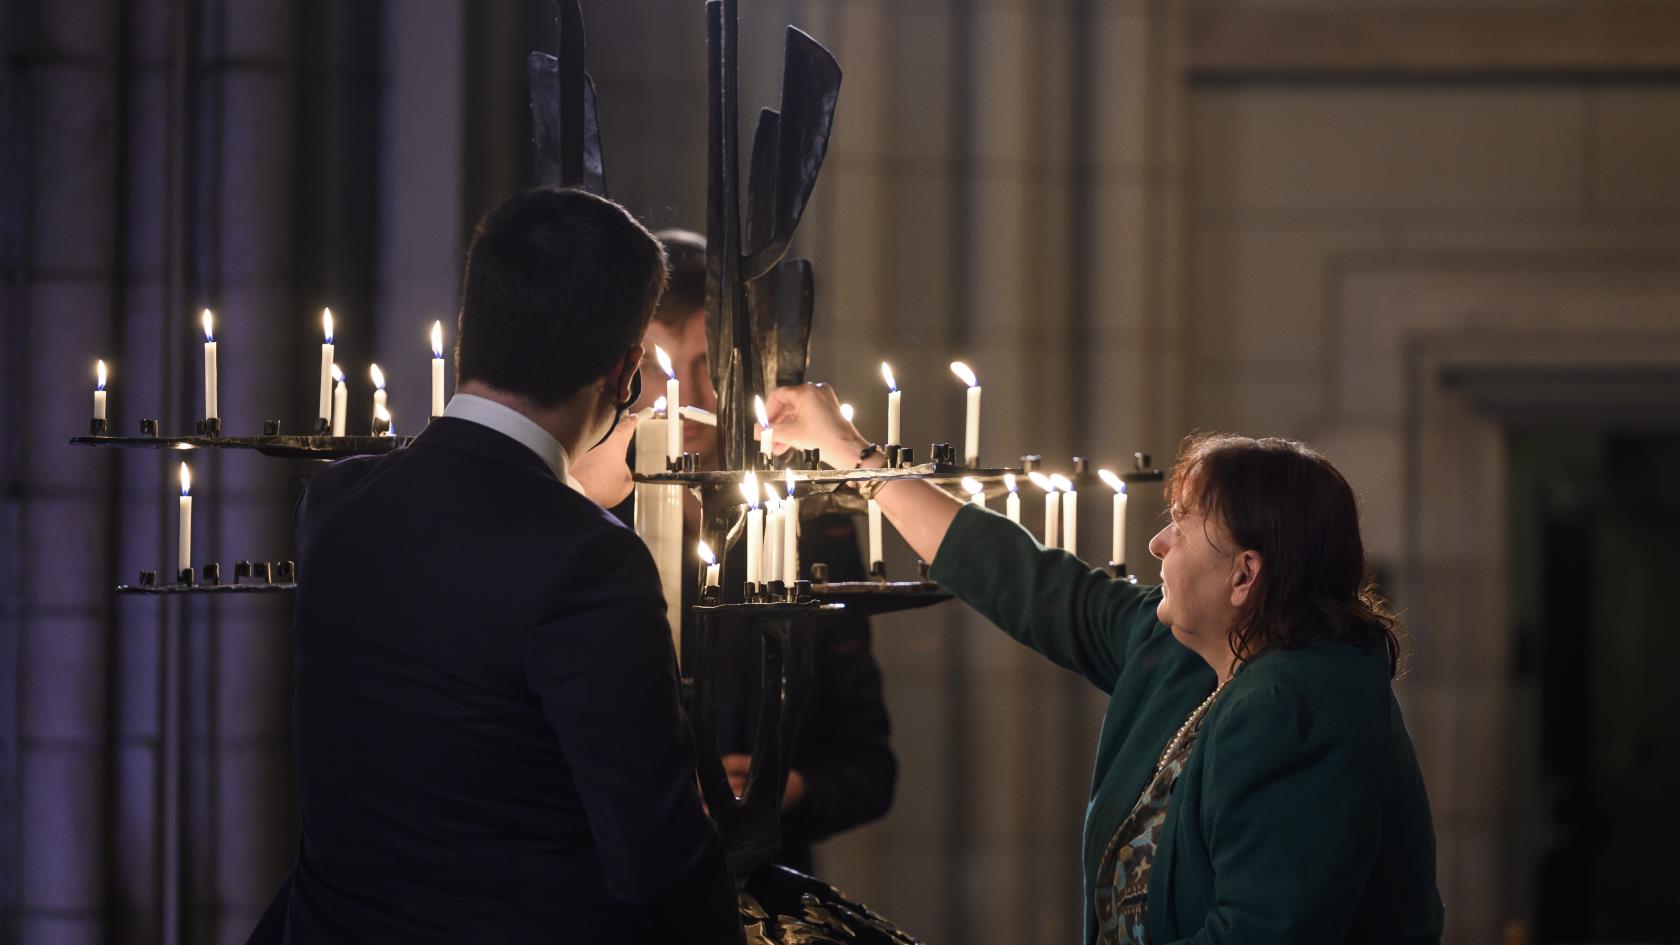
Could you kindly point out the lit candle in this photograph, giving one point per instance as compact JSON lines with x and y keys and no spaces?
{"x":790,"y":533}
{"x":772,"y":560}
{"x":99,"y":390}
{"x":382,"y":425}
{"x":893,"y":403}
{"x":1117,"y":556}
{"x":184,"y":555}
{"x":673,"y":432}
{"x":658,"y":520}
{"x":380,"y":403}
{"x":755,"y":529}
{"x":875,"y":555}
{"x":1070,"y":513}
{"x":766,"y":440}
{"x":976,"y":491}
{"x":326,"y":366}
{"x":1012,"y":505}
{"x":211,"y":409}
{"x":1052,"y":507}
{"x":847,"y":413}
{"x":341,"y":401}
{"x":971,"y":434}
{"x":437,"y":369}
{"x":711,"y":560}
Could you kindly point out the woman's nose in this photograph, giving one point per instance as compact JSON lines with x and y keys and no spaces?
{"x":1158,"y":544}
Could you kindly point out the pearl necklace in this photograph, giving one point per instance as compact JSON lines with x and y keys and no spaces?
{"x":1177,"y":741}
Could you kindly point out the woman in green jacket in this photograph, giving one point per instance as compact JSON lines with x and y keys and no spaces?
{"x":1254,"y":781}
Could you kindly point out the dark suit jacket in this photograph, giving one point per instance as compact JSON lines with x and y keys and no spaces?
{"x":489,"y":742}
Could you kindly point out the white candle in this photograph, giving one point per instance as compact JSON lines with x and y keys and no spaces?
{"x":1070,"y":513}
{"x":1052,"y":507}
{"x":976,"y":491}
{"x":971,"y":433}
{"x":99,"y":391}
{"x":673,"y":405}
{"x":184,"y":547}
{"x":1012,"y":505}
{"x":766,"y":437}
{"x":755,"y":529}
{"x":875,"y":555}
{"x":341,"y":401}
{"x":382,"y":425}
{"x":658,"y":520}
{"x":1118,"y":555}
{"x":705,"y":552}
{"x":894,"y":402}
{"x":380,"y":402}
{"x":212,"y":410}
{"x":437,"y":369}
{"x":790,"y":533}
{"x":772,"y":560}
{"x":326,"y":365}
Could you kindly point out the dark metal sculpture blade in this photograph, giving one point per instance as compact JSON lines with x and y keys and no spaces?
{"x":761,"y":180}
{"x":795,"y":285}
{"x":810,"y":94}
{"x":568,"y":26}
{"x":565,"y":126}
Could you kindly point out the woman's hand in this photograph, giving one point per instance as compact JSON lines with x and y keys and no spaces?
{"x":808,"y":417}
{"x":603,"y":472}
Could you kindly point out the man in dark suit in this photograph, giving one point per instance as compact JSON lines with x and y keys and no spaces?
{"x":489,"y":742}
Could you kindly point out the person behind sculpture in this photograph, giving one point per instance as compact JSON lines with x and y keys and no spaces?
{"x":1254,"y":781}
{"x":843,"y":771}
{"x":489,"y":742}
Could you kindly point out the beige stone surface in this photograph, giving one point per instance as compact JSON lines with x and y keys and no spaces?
{"x":1636,"y":147}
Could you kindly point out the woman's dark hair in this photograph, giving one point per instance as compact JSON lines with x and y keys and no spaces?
{"x":685,"y":276}
{"x":1287,"y":502}
{"x":559,"y":284}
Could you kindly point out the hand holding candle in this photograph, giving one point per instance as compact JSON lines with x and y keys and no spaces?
{"x":1117,"y":556}
{"x":894,"y":402}
{"x":212,"y":410}
{"x":971,"y":433}
{"x":673,"y":405}
{"x":325,"y":413}
{"x":437,"y":369}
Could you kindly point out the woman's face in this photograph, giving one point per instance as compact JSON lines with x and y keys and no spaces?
{"x":1201,"y":578}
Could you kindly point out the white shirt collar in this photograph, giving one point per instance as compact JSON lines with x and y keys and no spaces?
{"x":511,"y":423}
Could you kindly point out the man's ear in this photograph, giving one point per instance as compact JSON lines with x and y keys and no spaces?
{"x":628,"y":367}
{"x":1244,"y":576}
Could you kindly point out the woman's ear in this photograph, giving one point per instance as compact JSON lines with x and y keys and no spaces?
{"x":1244,"y":576}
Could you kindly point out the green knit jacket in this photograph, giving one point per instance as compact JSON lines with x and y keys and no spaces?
{"x":1300,"y":816}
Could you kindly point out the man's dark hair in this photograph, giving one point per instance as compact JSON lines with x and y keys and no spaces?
{"x":559,"y":284}
{"x":685,"y":285}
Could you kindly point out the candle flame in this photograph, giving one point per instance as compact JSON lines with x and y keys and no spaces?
{"x":378,"y":376}
{"x":664,"y":361}
{"x":1113,"y":481}
{"x":1042,"y":481}
{"x":209,"y":321}
{"x":749,"y":488}
{"x":789,"y":480}
{"x":972,"y":485}
{"x":186,"y":480}
{"x":659,"y":405}
{"x":437,"y":339}
{"x":1009,"y":481}
{"x":99,"y":369}
{"x":846,"y":412}
{"x":381,"y":413}
{"x":774,"y":497}
{"x":887,"y":375}
{"x":758,"y":409}
{"x":327,"y":324}
{"x":338,"y":375}
{"x":705,"y":552}
{"x":1061,"y":482}
{"x":964,"y":374}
